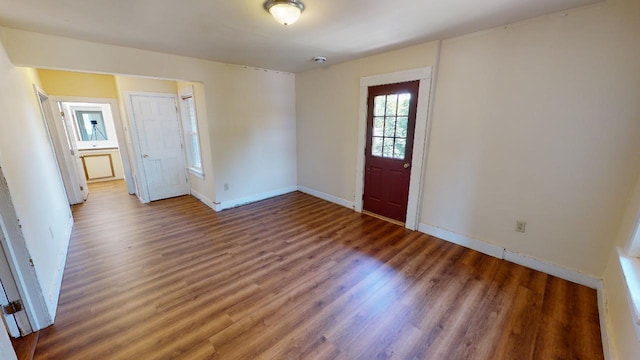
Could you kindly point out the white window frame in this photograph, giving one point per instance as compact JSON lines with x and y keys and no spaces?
{"x":630,"y":263}
{"x":186,"y":93}
{"x":107,"y":116}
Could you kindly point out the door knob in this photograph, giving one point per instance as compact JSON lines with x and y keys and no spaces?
{"x":145,"y":156}
{"x":406,"y":165}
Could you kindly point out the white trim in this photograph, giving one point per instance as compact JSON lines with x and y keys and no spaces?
{"x":477,"y":245}
{"x":327,"y":197}
{"x":420,"y":135}
{"x":520,"y":259}
{"x":196,"y":172}
{"x":552,"y":269}
{"x":203,"y":199}
{"x":604,"y":324}
{"x":189,"y":92}
{"x":66,"y":162}
{"x":630,"y":267}
{"x":253,"y":198}
{"x":54,"y":294}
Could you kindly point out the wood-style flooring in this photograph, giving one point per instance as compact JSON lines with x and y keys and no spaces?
{"x":296,"y":277}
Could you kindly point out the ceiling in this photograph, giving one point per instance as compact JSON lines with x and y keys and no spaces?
{"x":242,"y":32}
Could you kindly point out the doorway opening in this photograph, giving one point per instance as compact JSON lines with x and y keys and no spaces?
{"x":90,"y":126}
{"x":391,"y":120}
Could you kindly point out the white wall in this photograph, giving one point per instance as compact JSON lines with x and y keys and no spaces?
{"x":537,"y":121}
{"x":33,"y":178}
{"x":540,"y":122}
{"x":253,"y":133}
{"x":251,"y":112}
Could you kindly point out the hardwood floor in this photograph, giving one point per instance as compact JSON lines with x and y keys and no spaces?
{"x":295,"y":277}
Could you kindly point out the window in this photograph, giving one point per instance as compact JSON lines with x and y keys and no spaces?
{"x":190,"y":125}
{"x":390,"y":120}
{"x":91,"y":126}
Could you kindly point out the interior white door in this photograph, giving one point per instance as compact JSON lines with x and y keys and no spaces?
{"x":67,"y":127}
{"x":157,"y":126}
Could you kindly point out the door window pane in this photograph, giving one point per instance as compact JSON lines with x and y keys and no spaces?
{"x":403,"y":104}
{"x":401,"y":127}
{"x":390,"y":121}
{"x":378,"y":105}
{"x":387,"y":149}
{"x":392,"y":104}
{"x":376,"y":146}
{"x":378,"y":126}
{"x":399,"y":148}
{"x":390,"y":127}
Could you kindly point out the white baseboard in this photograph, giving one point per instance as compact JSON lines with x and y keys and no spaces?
{"x":477,"y":245}
{"x":536,"y":264}
{"x":327,"y":197}
{"x":249,"y":199}
{"x":203,"y":199}
{"x":500,"y":252}
{"x":253,"y":198}
{"x":552,"y":269}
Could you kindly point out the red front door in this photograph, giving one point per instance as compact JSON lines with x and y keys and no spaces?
{"x":391,"y":119}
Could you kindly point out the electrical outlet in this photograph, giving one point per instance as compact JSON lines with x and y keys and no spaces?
{"x":521,"y":226}
{"x":226,"y":187}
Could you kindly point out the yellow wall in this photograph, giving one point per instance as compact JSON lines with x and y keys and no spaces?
{"x":69,"y":83}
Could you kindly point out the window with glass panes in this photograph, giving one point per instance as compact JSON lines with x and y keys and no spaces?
{"x":190,"y":122}
{"x":390,"y":121}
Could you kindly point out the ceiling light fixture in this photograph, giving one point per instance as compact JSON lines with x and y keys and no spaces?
{"x":286,"y":12}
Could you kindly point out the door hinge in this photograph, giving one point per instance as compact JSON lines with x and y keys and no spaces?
{"x":62,"y":113}
{"x":12,"y":308}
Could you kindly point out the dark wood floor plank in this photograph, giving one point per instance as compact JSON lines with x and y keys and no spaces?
{"x":296,"y":277}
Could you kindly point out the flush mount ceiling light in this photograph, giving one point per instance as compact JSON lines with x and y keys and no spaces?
{"x":286,"y":12}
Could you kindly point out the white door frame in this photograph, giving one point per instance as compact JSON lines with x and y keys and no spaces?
{"x":17,"y":323}
{"x":143,"y":187}
{"x":420,"y":138}
{"x":120,"y":132}
{"x":57,"y":139}
{"x":20,"y":262}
